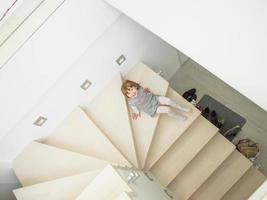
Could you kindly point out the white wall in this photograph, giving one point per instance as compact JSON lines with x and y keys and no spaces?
{"x":97,"y":64}
{"x":226,"y":37}
{"x":48,"y":54}
{"x":6,"y":173}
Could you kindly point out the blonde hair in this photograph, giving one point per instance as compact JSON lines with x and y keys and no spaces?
{"x":127,"y":85}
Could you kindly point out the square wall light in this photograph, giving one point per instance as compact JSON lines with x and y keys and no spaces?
{"x":40,"y":121}
{"x":121,"y":59}
{"x":86,"y":84}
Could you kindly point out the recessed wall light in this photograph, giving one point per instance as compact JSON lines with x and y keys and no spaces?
{"x":86,"y":84}
{"x":40,"y":121}
{"x":121,"y":59}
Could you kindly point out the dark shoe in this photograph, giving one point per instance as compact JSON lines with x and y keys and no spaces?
{"x":213,"y":117}
{"x":186,"y":95}
{"x":205,"y":113}
{"x":189,"y":93}
{"x":192,"y":91}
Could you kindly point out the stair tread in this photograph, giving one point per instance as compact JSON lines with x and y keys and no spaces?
{"x":123,"y":196}
{"x":52,"y":190}
{"x":101,"y":189}
{"x":260,"y":193}
{"x":79,"y":134}
{"x":45,"y":163}
{"x":225,"y":176}
{"x":201,"y":167}
{"x":109,"y":112}
{"x":169,"y":130}
{"x":246,"y":185}
{"x":183,"y":150}
{"x":144,"y":127}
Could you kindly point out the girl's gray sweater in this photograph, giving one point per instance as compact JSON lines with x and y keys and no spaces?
{"x":145,"y":101}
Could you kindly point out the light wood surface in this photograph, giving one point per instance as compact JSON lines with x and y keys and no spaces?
{"x":169,"y":130}
{"x":183,"y":150}
{"x":145,"y":126}
{"x":246,"y":185}
{"x":67,"y":188}
{"x":201,"y":167}
{"x":109,"y":112}
{"x":260,"y":193}
{"x":107,"y":185}
{"x":123,"y":196}
{"x":227,"y":174}
{"x":39,"y":162}
{"x":79,"y":134}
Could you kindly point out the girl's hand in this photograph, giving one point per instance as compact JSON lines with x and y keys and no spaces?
{"x":146,"y":90}
{"x":136,"y":115}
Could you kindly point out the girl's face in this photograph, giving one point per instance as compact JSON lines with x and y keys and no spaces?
{"x":132,"y":92}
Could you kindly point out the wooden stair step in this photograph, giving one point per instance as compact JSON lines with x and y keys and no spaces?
{"x":169,"y":130}
{"x":183,"y":150}
{"x":107,"y":185}
{"x":123,"y":196}
{"x":201,"y":167}
{"x":67,"y":188}
{"x":79,"y":134}
{"x":109,"y":111}
{"x":260,"y":193}
{"x":39,"y":162}
{"x":246,"y":185}
{"x":227,"y":174}
{"x":144,"y":127}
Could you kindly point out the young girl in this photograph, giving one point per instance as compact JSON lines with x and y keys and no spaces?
{"x":141,"y":99}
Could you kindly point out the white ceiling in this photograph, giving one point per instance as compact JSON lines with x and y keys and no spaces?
{"x":228,"y":38}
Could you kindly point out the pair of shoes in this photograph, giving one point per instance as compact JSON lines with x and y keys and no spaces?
{"x":211,"y":116}
{"x":190,"y":95}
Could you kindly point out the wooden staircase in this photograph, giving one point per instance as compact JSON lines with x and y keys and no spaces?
{"x":191,"y":159}
{"x":107,"y":185}
{"x":71,"y":185}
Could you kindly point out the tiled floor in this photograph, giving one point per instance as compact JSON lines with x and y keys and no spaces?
{"x":192,"y":75}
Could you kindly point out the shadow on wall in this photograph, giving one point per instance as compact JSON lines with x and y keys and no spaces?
{"x":6,"y":191}
{"x":8,"y":181}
